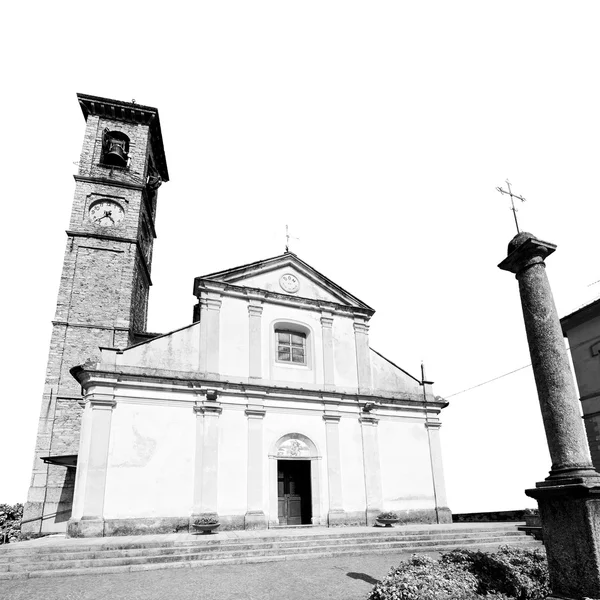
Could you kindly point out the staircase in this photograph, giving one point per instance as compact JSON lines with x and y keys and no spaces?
{"x":58,"y":556}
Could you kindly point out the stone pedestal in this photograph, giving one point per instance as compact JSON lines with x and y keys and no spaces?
{"x":569,"y":499}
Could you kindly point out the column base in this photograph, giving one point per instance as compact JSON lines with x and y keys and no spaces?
{"x":371,"y":515}
{"x":337,"y":517}
{"x":255,"y":520}
{"x":570,"y":522}
{"x":85,"y":527}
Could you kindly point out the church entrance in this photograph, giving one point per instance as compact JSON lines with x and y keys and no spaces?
{"x":294,"y":492}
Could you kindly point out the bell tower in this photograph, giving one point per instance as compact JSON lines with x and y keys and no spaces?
{"x":103,"y":293}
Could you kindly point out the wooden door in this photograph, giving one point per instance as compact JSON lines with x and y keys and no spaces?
{"x":291,"y":498}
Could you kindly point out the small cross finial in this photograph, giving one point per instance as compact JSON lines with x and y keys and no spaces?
{"x":510,"y":193}
{"x":287,"y":239}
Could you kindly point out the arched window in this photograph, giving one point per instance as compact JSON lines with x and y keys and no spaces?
{"x":115,"y":148}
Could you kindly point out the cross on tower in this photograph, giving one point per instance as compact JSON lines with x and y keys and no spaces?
{"x":511,"y":201}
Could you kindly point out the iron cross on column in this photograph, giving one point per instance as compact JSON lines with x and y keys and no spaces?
{"x":512,"y":201}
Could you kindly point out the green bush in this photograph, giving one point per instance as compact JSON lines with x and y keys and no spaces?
{"x":468,"y":575}
{"x":10,"y":522}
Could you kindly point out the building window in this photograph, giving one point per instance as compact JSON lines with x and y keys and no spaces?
{"x":291,"y":347}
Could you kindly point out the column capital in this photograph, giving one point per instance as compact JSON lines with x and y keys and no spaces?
{"x":210,"y":304}
{"x":433,"y":424}
{"x":525,"y":250}
{"x":332,"y":418}
{"x":101,"y":401}
{"x":255,"y":412}
{"x":326,"y":321}
{"x":368,"y":420}
{"x":255,"y":309}
{"x":361,"y":327}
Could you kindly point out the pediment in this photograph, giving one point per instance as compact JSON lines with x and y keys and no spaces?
{"x":288,"y":275}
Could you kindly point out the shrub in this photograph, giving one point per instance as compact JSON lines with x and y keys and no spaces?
{"x":206,"y":521}
{"x":422,"y":578}
{"x":468,"y":575}
{"x":10,"y":522}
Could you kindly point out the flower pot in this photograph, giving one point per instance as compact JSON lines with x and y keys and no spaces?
{"x":205,"y":528}
{"x":387,"y":522}
{"x":533,"y":521}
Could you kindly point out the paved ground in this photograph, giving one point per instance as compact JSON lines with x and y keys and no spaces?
{"x":336,"y":578}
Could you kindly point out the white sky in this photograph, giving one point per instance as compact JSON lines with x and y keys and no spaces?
{"x":377,"y":130}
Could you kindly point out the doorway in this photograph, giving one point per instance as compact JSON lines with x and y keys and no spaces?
{"x":294,"y":492}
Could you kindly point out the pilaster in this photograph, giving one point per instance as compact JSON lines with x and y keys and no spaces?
{"x":372,"y":466}
{"x":328,"y":364}
{"x":437,"y":471}
{"x":206,"y":473}
{"x":92,"y":473}
{"x":363,"y":358}
{"x":255,"y":517}
{"x":210,"y":313}
{"x":334,"y":467}
{"x":255,"y":310}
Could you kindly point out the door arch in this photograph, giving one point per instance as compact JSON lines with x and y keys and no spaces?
{"x":295,"y":447}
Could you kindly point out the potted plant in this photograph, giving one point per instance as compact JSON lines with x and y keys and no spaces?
{"x":532,"y":517}
{"x":387,"y":518}
{"x":206,"y":524}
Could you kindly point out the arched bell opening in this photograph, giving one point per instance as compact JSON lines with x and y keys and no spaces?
{"x":115,"y":148}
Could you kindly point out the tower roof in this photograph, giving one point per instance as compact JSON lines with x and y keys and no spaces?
{"x":130,"y":112}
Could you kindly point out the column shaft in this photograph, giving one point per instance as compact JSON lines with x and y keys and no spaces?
{"x":255,"y":339}
{"x":334,"y":468}
{"x":363,"y":358}
{"x":255,"y":516}
{"x":328,"y":364}
{"x":372,"y":466}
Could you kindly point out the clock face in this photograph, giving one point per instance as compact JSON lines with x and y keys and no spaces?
{"x":289,"y":283}
{"x":106,"y":213}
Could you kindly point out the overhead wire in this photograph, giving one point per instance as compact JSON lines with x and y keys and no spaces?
{"x":514,"y":371}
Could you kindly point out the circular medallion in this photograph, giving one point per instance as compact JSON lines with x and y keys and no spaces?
{"x":289,"y":283}
{"x":106,"y":213}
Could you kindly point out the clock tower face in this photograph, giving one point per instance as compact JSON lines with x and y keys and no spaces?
{"x":106,"y":213}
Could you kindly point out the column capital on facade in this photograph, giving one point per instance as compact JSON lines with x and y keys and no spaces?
{"x":101,"y":401}
{"x":210,"y":303}
{"x":326,"y":320}
{"x":255,"y":412}
{"x":361,"y":327}
{"x":433,"y":424}
{"x":255,"y":308}
{"x":368,"y":420}
{"x":331,"y":417}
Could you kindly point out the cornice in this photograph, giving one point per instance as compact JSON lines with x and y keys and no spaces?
{"x":181,"y":382}
{"x":112,"y":182}
{"x":238,"y":291}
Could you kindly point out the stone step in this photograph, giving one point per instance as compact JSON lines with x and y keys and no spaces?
{"x":245,"y":544}
{"x":233,"y":551}
{"x":244,"y":557}
{"x":79,"y":545}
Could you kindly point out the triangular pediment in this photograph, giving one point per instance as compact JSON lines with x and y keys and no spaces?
{"x":288,"y":275}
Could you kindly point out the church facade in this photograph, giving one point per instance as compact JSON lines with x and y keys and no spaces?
{"x":269,"y":409}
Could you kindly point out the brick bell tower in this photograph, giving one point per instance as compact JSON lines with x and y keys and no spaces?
{"x":103,"y":294}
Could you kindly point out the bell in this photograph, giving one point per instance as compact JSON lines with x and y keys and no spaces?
{"x":116,"y":155}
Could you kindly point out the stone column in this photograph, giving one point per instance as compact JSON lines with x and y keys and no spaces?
{"x":437,"y":471}
{"x":327,"y":333}
{"x":363,"y":358}
{"x":206,"y":471}
{"x":336,"y":514}
{"x":569,"y":499}
{"x":210,"y":308}
{"x":255,"y":309}
{"x":255,"y":516}
{"x":93,"y":484}
{"x":372,"y":466}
